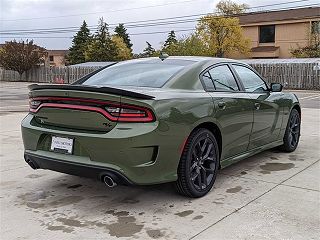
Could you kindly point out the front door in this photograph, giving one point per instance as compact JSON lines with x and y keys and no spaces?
{"x":267,"y":115}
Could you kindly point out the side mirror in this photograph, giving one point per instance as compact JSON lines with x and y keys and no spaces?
{"x":276,"y":87}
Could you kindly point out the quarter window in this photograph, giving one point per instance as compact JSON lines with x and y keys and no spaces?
{"x":267,"y":34}
{"x":208,"y":81}
{"x":223,"y":79}
{"x":250,"y":80}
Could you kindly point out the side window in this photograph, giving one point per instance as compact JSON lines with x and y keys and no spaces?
{"x":250,"y":80}
{"x":223,"y":79}
{"x":208,"y":81}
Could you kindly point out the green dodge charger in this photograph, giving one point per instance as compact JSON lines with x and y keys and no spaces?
{"x":156,"y":120}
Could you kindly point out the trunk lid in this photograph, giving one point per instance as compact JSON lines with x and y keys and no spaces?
{"x":78,"y":107}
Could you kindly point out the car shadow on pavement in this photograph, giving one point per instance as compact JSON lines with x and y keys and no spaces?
{"x":63,"y":186}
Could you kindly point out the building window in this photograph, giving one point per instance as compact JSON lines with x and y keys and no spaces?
{"x":51,"y":58}
{"x":315,"y":27}
{"x":267,"y":34}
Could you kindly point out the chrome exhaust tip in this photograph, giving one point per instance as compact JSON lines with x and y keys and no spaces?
{"x":109,"y":181}
{"x":32,"y":164}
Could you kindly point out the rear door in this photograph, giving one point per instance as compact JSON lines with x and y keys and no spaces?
{"x":267,"y":112}
{"x":233,"y":109}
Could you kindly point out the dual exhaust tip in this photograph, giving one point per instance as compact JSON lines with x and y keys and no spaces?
{"x":32,"y":164}
{"x":109,"y":181}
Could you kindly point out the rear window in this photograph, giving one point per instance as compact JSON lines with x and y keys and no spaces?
{"x":151,"y":73}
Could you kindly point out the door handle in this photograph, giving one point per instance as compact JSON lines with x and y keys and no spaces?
{"x":257,"y":106}
{"x":222,"y":105}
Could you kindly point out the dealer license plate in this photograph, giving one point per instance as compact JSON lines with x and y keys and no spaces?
{"x":62,"y":145}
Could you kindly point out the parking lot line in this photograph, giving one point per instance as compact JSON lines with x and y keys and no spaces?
{"x":253,"y":200}
{"x":310,"y":97}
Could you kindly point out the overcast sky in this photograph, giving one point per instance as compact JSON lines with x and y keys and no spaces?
{"x":37,"y":14}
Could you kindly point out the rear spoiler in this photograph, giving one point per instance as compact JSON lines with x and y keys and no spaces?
{"x":110,"y":90}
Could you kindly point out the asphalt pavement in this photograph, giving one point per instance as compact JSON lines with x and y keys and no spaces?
{"x":272,"y":195}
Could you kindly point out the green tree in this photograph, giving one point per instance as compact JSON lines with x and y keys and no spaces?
{"x":79,"y":45}
{"x":149,"y":51}
{"x":121,"y":31}
{"x":124,"y":53}
{"x":221,"y":33}
{"x":101,"y":48}
{"x":21,"y":56}
{"x":228,"y":8}
{"x":188,"y":46}
{"x":171,"y":40}
{"x":216,"y":35}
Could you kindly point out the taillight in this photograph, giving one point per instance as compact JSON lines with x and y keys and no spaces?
{"x":129,"y":113}
{"x":111,"y":110}
{"x":34,"y":104}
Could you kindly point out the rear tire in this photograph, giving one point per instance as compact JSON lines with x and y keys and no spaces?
{"x":198,"y":165}
{"x":292,"y":134}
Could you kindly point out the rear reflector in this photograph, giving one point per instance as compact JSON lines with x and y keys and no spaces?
{"x":115,"y":112}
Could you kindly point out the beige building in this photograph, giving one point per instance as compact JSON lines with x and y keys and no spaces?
{"x":56,"y":58}
{"x":273,"y":34}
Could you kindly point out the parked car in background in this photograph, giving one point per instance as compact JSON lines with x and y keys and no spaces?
{"x":150,"y":121}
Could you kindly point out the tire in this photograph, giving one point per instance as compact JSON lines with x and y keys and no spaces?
{"x":292,"y":133}
{"x":198,"y":164}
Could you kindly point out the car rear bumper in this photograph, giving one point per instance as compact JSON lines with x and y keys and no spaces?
{"x":143,"y":155}
{"x":78,"y":169}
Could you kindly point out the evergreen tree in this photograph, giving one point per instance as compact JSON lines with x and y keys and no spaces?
{"x":171,"y":39}
{"x":101,"y":48}
{"x":121,"y":31}
{"x":149,"y":50}
{"x":79,"y":44}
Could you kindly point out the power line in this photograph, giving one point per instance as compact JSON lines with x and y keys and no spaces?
{"x":92,"y":13}
{"x":115,"y":24}
{"x":128,"y":27}
{"x":133,"y":34}
{"x":133,"y":24}
{"x":151,"y":24}
{"x":136,"y":8}
{"x":277,"y":4}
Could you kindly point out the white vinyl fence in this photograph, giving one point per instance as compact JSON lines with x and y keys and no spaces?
{"x":48,"y":74}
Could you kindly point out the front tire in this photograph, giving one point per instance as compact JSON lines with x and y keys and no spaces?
{"x":292,"y":134}
{"x":198,"y":165}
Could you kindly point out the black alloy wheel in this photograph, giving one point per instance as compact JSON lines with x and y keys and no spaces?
{"x":198,"y":164}
{"x":292,"y":134}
